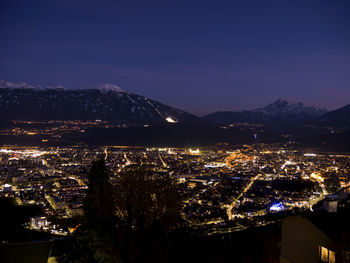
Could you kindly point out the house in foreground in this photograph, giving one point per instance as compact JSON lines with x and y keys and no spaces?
{"x":316,"y":238}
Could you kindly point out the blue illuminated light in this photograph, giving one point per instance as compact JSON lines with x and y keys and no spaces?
{"x":277,"y":207}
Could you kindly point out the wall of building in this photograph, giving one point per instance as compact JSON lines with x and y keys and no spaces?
{"x":301,"y":240}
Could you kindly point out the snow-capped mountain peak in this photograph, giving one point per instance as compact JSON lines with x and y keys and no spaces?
{"x":23,"y":85}
{"x":20,"y":85}
{"x":22,"y":101}
{"x":282,"y":107}
{"x":105,"y":87}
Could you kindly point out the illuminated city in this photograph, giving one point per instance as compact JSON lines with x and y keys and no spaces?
{"x":175,"y":131}
{"x":239,"y":186}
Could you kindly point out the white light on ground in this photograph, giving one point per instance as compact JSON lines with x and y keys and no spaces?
{"x":170,"y":120}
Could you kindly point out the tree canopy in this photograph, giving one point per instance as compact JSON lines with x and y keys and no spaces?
{"x":145,"y":200}
{"x":98,"y":204}
{"x":129,"y":221}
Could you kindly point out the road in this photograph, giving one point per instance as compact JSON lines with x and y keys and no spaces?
{"x":161,"y":159}
{"x":245,"y":189}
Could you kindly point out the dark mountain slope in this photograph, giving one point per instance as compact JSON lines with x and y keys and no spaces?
{"x":106,"y":102}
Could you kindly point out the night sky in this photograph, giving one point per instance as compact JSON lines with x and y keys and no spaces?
{"x":200,"y":56}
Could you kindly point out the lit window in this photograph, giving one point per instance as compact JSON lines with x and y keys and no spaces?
{"x":324,"y":254}
{"x":327,"y":255}
{"x":331,"y":257}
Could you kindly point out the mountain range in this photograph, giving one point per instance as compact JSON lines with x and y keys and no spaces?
{"x":278,"y":112}
{"x":21,"y":101}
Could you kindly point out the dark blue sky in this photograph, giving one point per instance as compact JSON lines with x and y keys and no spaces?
{"x":201,"y":56}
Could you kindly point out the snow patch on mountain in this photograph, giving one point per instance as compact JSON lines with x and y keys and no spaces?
{"x":106,"y":87}
{"x":4,"y":84}
{"x":105,"y":102}
{"x":281,"y":107}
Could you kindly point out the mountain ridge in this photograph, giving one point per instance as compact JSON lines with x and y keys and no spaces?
{"x":279,"y":111}
{"x":106,"y":102}
{"x":282,"y":106}
{"x":338,"y":117}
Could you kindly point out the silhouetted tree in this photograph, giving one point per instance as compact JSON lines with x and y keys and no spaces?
{"x":98,"y":204}
{"x":147,"y":209}
{"x":95,"y":240}
{"x":128,"y":222}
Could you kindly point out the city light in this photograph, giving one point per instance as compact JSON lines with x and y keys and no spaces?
{"x":276,"y":207}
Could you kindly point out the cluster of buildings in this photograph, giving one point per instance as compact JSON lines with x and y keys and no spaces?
{"x":225,"y":187}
